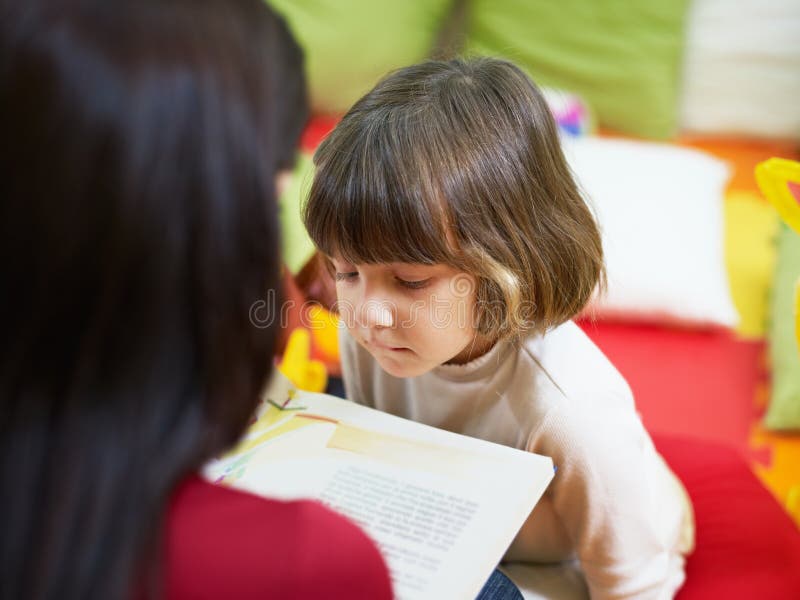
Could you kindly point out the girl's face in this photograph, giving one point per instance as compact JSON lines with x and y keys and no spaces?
{"x":410,"y":317}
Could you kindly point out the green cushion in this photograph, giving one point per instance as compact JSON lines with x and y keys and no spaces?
{"x":350,"y":44}
{"x":297,"y":246}
{"x":622,"y":56}
{"x":784,"y":405}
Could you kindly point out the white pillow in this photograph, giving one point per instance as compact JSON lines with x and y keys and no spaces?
{"x":741,"y":70}
{"x":660,"y":209}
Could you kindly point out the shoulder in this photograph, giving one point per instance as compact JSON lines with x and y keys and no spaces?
{"x":587,"y":401}
{"x":225,"y":543}
{"x":576,"y":367}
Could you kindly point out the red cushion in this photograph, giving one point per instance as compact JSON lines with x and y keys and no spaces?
{"x":747,"y":546}
{"x":671,"y":371}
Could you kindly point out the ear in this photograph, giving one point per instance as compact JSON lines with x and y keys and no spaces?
{"x":779,"y":180}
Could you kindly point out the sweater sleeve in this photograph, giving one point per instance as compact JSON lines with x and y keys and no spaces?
{"x":617,"y":503}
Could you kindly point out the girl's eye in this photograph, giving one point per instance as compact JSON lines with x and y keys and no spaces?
{"x":414,"y":285}
{"x":348,"y":276}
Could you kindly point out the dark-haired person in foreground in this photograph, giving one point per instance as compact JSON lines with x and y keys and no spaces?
{"x":141,"y":141}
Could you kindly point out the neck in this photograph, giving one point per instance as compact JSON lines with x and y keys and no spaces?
{"x":477,"y":347}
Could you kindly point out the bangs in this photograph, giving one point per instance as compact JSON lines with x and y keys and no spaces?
{"x":375,"y":200}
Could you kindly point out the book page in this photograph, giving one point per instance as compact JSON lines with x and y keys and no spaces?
{"x":442,"y":507}
{"x":418,"y":526}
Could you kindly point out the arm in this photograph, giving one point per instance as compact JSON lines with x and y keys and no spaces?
{"x":615,"y":501}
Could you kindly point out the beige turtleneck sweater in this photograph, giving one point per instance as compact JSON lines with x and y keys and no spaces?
{"x":613,"y":504}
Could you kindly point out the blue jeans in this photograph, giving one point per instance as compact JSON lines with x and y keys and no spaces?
{"x":499,"y":587}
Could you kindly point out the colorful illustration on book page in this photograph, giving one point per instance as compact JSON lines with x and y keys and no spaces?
{"x":288,"y":431}
{"x":274,"y":421}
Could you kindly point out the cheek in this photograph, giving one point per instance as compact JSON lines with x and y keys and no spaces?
{"x":467,"y":309}
{"x":463,"y":315}
{"x":461,"y":294}
{"x":452,"y":318}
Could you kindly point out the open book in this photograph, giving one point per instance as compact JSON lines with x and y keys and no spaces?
{"x":442,"y":507}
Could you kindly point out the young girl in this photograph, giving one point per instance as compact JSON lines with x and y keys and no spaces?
{"x":462,"y":248}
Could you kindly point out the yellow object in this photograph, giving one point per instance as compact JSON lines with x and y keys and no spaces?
{"x":750,"y":253}
{"x":779,"y":180}
{"x":297,"y":365}
{"x":776,"y":177}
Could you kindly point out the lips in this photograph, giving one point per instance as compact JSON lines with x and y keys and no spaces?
{"x":375,"y":344}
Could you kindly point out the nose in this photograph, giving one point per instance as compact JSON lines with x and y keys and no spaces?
{"x":376,"y":313}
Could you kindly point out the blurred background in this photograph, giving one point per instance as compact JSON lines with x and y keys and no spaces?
{"x":666,"y":107}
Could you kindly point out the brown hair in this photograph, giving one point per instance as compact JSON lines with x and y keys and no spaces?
{"x":459,"y":162}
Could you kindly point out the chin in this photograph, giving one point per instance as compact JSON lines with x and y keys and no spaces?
{"x":396,"y":369}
